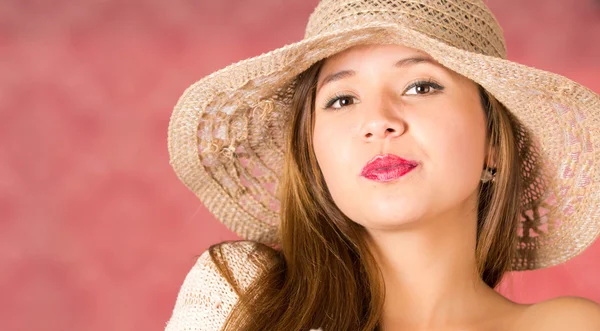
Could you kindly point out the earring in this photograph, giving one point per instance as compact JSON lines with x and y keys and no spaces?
{"x":489,"y":174}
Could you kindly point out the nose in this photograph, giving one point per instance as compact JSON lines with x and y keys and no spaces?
{"x":382,"y":124}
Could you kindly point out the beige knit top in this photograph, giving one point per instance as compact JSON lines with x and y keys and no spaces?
{"x":206,"y":298}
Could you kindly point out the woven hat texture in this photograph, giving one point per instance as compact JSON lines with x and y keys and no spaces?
{"x":226,"y":134}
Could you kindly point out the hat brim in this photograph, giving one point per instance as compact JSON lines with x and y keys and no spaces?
{"x":226,"y":138}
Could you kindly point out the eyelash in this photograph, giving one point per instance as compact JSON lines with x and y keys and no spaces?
{"x":429,"y":82}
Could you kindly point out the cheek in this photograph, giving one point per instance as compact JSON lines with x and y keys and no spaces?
{"x":457,"y":148}
{"x":332,"y":147}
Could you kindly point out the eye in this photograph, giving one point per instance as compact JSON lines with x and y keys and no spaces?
{"x":340,"y":101}
{"x":423,"y":88}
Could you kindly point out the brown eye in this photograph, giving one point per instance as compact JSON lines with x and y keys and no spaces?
{"x":423,"y":88}
{"x":341,"y":101}
{"x":345,"y":101}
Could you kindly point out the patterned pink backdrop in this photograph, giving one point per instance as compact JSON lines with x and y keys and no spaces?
{"x":96,"y":232}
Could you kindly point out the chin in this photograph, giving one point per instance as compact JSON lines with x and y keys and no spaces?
{"x":390,"y":217}
{"x":390,"y":223}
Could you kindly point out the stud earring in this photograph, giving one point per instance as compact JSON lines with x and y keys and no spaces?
{"x":489,"y":174}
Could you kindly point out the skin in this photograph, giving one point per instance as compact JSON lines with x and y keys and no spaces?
{"x":422,"y":226}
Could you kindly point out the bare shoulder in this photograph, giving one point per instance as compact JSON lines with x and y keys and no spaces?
{"x":563,"y":313}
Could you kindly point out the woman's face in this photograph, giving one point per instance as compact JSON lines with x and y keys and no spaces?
{"x":394,"y":101}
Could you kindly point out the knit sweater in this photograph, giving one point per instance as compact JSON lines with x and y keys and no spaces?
{"x":206,"y":299}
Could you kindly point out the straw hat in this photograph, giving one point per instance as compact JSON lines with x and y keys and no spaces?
{"x":226,"y":134}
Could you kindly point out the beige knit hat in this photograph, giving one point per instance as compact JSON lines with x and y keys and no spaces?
{"x":226,"y":132}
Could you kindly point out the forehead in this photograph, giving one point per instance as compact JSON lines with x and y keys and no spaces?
{"x":356,"y":55}
{"x":374,"y":58}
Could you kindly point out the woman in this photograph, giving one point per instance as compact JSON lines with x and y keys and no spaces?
{"x":387,"y":171}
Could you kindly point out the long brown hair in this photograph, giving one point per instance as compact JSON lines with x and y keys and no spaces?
{"x":323,"y":274}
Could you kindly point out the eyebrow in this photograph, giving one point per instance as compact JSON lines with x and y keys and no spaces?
{"x":409,"y":61}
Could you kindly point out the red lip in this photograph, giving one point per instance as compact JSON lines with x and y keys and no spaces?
{"x":387,"y":167}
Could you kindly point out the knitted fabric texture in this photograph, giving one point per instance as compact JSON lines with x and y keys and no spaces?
{"x":206,"y":299}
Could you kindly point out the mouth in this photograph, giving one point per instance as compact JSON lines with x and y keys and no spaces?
{"x":387,"y":167}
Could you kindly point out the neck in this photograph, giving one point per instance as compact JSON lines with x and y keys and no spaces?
{"x":430,"y":272}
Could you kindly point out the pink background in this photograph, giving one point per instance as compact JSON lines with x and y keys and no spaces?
{"x":96,"y":232}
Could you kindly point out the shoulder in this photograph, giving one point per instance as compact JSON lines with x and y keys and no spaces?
{"x":207,"y":294}
{"x":238,"y":262}
{"x":563,"y":313}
